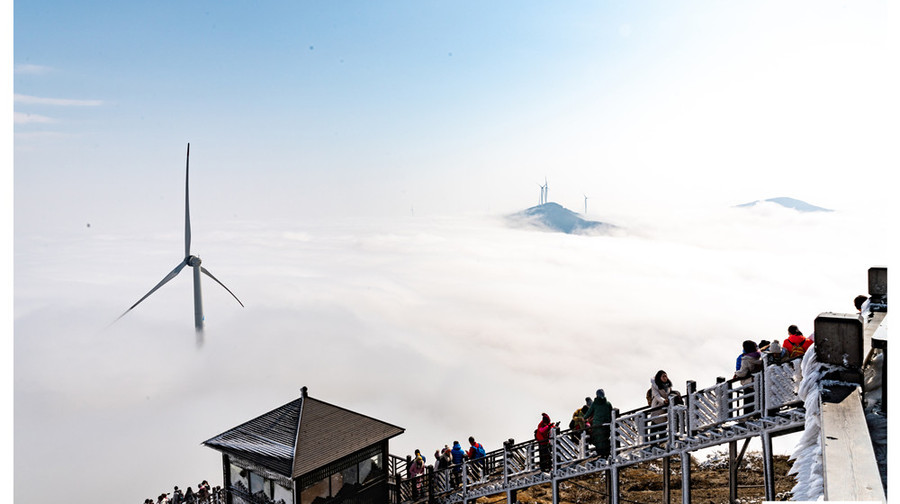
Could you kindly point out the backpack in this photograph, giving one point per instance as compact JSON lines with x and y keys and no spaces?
{"x":797,"y":349}
{"x":479,"y":451}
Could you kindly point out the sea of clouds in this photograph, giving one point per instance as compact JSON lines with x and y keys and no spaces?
{"x":445,"y":326}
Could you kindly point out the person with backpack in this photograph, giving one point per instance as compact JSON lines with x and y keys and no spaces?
{"x":796,"y":344}
{"x":600,"y":415}
{"x":542,"y":435}
{"x":476,"y":454}
{"x":476,"y":451}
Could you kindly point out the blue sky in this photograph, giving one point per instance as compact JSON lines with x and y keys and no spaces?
{"x":349,"y":162}
{"x":434,"y":107}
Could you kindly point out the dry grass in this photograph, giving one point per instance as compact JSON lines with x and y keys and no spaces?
{"x":643,"y":484}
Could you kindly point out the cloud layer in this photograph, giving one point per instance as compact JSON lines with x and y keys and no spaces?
{"x":448,"y":327}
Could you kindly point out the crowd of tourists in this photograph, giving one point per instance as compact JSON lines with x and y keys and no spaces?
{"x":203,"y":495}
{"x":595,"y":415}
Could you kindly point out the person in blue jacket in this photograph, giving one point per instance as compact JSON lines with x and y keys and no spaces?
{"x":458,"y":456}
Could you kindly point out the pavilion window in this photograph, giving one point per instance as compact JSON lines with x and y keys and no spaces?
{"x":239,"y":475}
{"x":370,"y":469}
{"x":282,"y":493}
{"x":258,"y":484}
{"x":314,"y":491}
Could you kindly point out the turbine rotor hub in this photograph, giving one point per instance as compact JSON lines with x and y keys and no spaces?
{"x":193,"y":261}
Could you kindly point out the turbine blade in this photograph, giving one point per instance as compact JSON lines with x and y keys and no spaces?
{"x":187,"y":207}
{"x":172,"y":274}
{"x":210,"y":275}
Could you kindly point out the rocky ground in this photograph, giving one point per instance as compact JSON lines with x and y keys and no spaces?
{"x":643,"y":484}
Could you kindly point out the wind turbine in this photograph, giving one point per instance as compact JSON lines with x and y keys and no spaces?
{"x":585,"y":204}
{"x":189,"y":260}
{"x":543,"y":191}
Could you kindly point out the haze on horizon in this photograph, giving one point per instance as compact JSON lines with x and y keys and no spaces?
{"x":350,"y":167}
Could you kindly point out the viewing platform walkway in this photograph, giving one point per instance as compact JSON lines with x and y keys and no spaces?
{"x":726,"y":412}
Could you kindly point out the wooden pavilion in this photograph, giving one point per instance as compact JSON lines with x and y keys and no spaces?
{"x":306,"y":451}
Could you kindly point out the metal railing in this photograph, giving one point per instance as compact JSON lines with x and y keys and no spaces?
{"x":708,"y":416}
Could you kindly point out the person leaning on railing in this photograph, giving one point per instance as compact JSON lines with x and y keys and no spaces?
{"x":751,"y":362}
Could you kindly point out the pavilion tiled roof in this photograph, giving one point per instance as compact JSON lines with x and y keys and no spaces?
{"x":302,"y":435}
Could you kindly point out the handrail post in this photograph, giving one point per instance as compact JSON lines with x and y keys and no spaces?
{"x":670,"y":414}
{"x":582,"y":446}
{"x":554,"y":484}
{"x":723,"y":399}
{"x":612,"y":433}
{"x":765,"y":375}
{"x":759,"y":392}
{"x":429,"y":483}
{"x":611,"y":461}
{"x":465,"y":480}
{"x":554,"y":435}
{"x":689,"y":400}
{"x":506,"y":449}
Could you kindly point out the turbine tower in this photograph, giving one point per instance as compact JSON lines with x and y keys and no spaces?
{"x":189,"y":260}
{"x":585,"y":204}
{"x":543,"y":191}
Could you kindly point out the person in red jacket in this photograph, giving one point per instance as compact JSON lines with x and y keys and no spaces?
{"x":542,"y":435}
{"x":796,"y":344}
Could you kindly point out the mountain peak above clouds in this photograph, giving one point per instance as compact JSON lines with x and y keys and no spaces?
{"x":794,"y":204}
{"x":555,"y":217}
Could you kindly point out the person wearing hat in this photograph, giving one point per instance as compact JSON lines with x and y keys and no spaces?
{"x":416,"y":471}
{"x":600,"y":415}
{"x":542,"y":434}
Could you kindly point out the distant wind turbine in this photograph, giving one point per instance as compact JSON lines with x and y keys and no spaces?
{"x":543,"y":191}
{"x":585,"y":204}
{"x":189,"y":260}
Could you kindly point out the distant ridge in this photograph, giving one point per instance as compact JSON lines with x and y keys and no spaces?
{"x":554,"y":217}
{"x":794,"y":204}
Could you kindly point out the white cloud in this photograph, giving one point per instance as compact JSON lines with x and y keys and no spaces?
{"x":26,"y":118}
{"x":63,"y":102}
{"x":29,"y":69}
